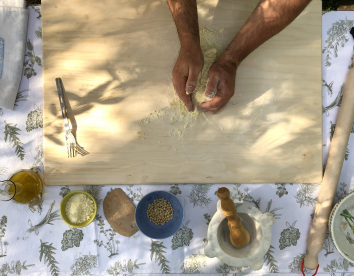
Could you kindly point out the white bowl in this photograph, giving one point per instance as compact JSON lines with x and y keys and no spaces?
{"x":340,"y":231}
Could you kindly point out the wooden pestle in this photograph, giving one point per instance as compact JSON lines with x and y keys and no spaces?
{"x":239,"y":236}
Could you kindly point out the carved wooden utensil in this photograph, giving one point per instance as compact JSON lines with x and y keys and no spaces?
{"x":239,"y":236}
{"x":332,"y":172}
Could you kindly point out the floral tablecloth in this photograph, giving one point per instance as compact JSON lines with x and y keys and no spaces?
{"x":40,"y":243}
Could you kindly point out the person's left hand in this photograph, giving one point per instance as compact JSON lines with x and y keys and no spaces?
{"x":220,"y":87}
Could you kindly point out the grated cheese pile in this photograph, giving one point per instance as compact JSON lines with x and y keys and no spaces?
{"x":176,"y":113}
{"x":79,"y":208}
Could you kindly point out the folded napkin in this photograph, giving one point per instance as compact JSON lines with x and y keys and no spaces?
{"x":13,"y":32}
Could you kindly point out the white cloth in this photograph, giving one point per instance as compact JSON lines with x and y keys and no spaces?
{"x":13,"y":3}
{"x":13,"y":31}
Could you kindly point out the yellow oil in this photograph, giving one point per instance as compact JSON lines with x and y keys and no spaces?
{"x":28,"y":186}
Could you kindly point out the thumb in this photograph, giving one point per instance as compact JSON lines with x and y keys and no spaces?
{"x":192,"y":80}
{"x":211,"y":87}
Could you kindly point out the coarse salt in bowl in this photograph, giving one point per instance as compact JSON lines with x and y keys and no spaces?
{"x":78,"y":209}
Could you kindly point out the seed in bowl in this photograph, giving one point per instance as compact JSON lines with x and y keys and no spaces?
{"x":79,"y":208}
{"x":160,"y":211}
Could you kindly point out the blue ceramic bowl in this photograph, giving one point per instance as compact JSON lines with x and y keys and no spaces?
{"x":149,"y":228}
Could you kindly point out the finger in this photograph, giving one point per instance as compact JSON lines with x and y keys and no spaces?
{"x":192,"y":80}
{"x":179,"y":84}
{"x":214,"y":105}
{"x":212,"y":85}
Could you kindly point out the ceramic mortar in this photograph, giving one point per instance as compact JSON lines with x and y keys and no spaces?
{"x":258,"y":225}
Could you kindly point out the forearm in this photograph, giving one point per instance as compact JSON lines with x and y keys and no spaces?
{"x":185,"y":15}
{"x":268,"y":19}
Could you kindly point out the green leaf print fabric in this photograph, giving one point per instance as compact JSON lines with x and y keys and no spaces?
{"x":40,"y":243}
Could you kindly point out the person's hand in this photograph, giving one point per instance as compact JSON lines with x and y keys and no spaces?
{"x":220,"y":87}
{"x":185,"y":74}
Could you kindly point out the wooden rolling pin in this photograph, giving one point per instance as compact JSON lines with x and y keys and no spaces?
{"x":332,"y":173}
{"x":239,"y":236}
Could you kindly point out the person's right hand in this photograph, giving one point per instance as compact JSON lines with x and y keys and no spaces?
{"x":185,"y":73}
{"x":221,"y":85}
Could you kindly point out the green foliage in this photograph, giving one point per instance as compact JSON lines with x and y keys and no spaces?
{"x":346,"y":156}
{"x":329,"y":87}
{"x":38,"y":11}
{"x":342,"y":191}
{"x":14,"y":268}
{"x":340,"y":264}
{"x":125,"y":266}
{"x":48,"y":219}
{"x":227,"y":269}
{"x":304,"y":194}
{"x":208,"y":218}
{"x":336,"y":102}
{"x":281,"y":190}
{"x":338,"y":36}
{"x":71,"y":238}
{"x":20,"y":97}
{"x":30,"y":60}
{"x":64,"y":191}
{"x":3,"y":223}
{"x":199,"y":193}
{"x":47,"y":251}
{"x":270,"y":261}
{"x":295,"y":265}
{"x":349,"y":219}
{"x":193,"y":263}
{"x":328,"y":245}
{"x":329,"y":5}
{"x":134,"y":196}
{"x":83,"y":265}
{"x":94,"y":190}
{"x":273,"y":211}
{"x":39,"y":156}
{"x":236,"y":194}
{"x":175,"y":190}
{"x":3,"y":169}
{"x":11,"y":134}
{"x":182,"y":237}
{"x":333,"y":127}
{"x":39,"y":32}
{"x":349,"y":238}
{"x":111,"y":245}
{"x":289,"y":236}
{"x":157,"y":251}
{"x":250,"y":199}
{"x":34,"y":120}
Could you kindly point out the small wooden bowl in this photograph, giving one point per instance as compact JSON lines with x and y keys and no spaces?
{"x":340,"y":231}
{"x":65,"y":201}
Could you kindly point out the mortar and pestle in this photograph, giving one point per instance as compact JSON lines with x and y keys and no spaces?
{"x":238,"y":237}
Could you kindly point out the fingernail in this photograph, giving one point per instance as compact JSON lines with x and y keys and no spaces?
{"x":210,"y":94}
{"x":190,"y":108}
{"x":190,"y":88}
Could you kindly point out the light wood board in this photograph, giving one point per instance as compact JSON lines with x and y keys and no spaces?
{"x":115,"y":59}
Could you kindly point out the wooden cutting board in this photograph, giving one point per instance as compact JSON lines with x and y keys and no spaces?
{"x":115,"y":59}
{"x":120,"y":212}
